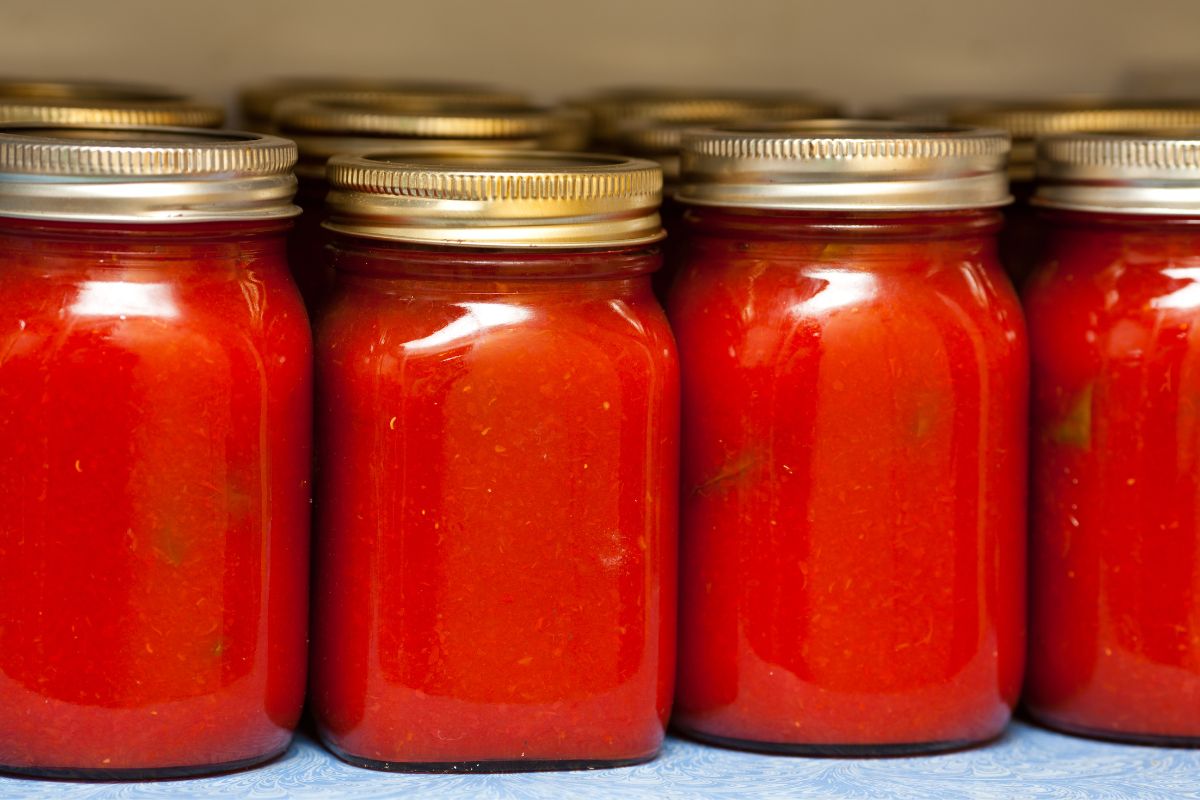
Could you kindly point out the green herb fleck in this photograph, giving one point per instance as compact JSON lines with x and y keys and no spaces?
{"x":1075,"y":429}
{"x":730,"y":471}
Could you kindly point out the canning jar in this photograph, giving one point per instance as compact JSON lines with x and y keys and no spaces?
{"x":355,"y":123}
{"x":497,"y":426}
{"x":155,"y":404}
{"x":853,"y":477}
{"x":1113,"y":310}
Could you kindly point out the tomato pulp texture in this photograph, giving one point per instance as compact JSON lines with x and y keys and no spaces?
{"x":1113,"y":319}
{"x":497,"y":509}
{"x":306,"y":246}
{"x":853,"y":489}
{"x":155,"y":386}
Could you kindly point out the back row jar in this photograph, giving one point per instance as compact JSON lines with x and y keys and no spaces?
{"x":854,"y":393}
{"x":497,"y":430}
{"x":155,"y":385}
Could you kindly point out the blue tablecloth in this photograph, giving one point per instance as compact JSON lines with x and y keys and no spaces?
{"x":1027,"y":763}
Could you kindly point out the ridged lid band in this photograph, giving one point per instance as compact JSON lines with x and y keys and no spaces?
{"x":144,"y":174}
{"x":496,"y":198}
{"x":615,"y":108}
{"x":841,"y":165}
{"x":87,"y":103}
{"x":1122,"y":173}
{"x":324,"y":126}
{"x":258,"y":103}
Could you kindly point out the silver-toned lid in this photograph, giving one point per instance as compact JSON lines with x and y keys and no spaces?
{"x":144,"y":174}
{"x":845,"y":165}
{"x":496,"y":198}
{"x":1121,"y":172}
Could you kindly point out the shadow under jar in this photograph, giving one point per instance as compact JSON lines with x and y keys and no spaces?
{"x":155,"y":417}
{"x":1114,"y":322}
{"x":498,"y":433}
{"x":854,"y":391}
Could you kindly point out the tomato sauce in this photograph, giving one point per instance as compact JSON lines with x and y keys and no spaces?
{"x":497,"y":508}
{"x":1113,"y":311}
{"x":853,"y":484}
{"x":154,"y":436}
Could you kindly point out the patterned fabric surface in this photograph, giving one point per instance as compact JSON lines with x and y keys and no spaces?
{"x":1027,"y":763}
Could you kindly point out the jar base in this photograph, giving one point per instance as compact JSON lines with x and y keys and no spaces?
{"x":499,"y":765}
{"x":1120,"y":737}
{"x":835,"y":750}
{"x":140,"y":773}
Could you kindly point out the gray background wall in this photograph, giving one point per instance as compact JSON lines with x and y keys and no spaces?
{"x":866,"y":51}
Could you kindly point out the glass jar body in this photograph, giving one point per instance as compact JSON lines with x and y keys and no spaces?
{"x":155,"y":426}
{"x":1115,"y":567}
{"x":853,"y":481}
{"x":496,"y":509}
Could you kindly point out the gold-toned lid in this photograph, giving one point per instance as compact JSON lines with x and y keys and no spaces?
{"x":326,"y":125}
{"x":94,"y":103}
{"x":1124,"y":173}
{"x":496,"y":198}
{"x":614,"y":108}
{"x":845,"y":165}
{"x":1026,"y":122}
{"x":258,"y":103}
{"x":144,"y":174}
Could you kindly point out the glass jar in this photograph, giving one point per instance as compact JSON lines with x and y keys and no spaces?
{"x":356,"y":123}
{"x":1113,"y":310}
{"x":155,"y":426}
{"x":854,"y":393}
{"x":498,"y":421}
{"x":94,"y":103}
{"x":1027,"y":121}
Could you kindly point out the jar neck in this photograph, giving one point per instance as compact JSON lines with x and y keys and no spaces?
{"x":100,"y":245}
{"x":381,"y":259}
{"x":776,"y":225}
{"x":1133,"y":224}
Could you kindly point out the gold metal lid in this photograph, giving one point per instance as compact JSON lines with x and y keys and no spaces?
{"x":845,"y":165}
{"x":1125,"y":173}
{"x":496,"y":198}
{"x":614,"y":108}
{"x":94,"y":103}
{"x":258,"y":103}
{"x":327,"y":125}
{"x":1026,"y":122}
{"x":144,"y":174}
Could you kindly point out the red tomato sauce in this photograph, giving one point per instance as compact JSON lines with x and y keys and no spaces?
{"x":497,"y":508}
{"x":853,"y":481}
{"x":154,"y":450}
{"x":1115,"y":568}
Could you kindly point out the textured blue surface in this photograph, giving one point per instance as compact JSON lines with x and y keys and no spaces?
{"x":1026,"y":763}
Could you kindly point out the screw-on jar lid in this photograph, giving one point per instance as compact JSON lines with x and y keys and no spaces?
{"x":496,"y":198}
{"x":144,"y":174}
{"x":89,"y":103}
{"x":1124,"y":173}
{"x":258,"y":103}
{"x":327,"y":125}
{"x":844,"y":165}
{"x":615,"y":108}
{"x":1027,"y":121}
